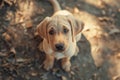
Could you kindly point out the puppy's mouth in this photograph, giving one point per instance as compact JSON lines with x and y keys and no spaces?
{"x":60,"y":50}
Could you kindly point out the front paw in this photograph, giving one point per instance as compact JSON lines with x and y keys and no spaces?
{"x":66,"y":65}
{"x":48,"y":63}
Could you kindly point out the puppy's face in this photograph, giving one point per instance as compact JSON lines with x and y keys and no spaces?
{"x":59,"y":31}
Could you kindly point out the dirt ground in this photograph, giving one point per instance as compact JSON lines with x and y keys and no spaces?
{"x":99,"y":56}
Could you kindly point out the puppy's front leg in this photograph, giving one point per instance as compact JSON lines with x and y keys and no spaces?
{"x":66,"y":64}
{"x":49,"y":62}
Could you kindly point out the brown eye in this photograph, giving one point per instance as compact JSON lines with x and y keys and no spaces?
{"x":65,"y":30}
{"x":52,"y":32}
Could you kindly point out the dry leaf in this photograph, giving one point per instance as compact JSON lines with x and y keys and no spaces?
{"x":28,"y":24}
{"x":21,"y":60}
{"x":36,"y":34}
{"x":116,"y":77}
{"x":118,"y":56}
{"x":103,"y":12}
{"x":13,"y":50}
{"x":104,"y":18}
{"x":76,"y":10}
{"x":2,"y":54}
{"x":6,"y":36}
{"x":8,"y":2}
{"x":114,"y":31}
{"x":72,"y":73}
{"x":118,"y":10}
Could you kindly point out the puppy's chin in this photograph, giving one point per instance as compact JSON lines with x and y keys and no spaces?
{"x":59,"y":55}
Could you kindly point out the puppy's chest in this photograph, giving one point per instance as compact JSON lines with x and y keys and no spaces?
{"x":68,"y":53}
{"x":59,"y":55}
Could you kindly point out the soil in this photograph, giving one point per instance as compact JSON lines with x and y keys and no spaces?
{"x":99,"y":56}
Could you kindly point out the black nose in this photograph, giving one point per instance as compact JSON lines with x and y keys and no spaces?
{"x":59,"y":47}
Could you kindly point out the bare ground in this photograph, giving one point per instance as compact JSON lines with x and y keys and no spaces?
{"x":99,"y":56}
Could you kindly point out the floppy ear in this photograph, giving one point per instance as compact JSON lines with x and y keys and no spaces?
{"x":76,"y":26}
{"x":42,"y":28}
{"x":79,"y":26}
{"x":70,"y":19}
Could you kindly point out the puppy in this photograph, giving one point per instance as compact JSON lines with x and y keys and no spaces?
{"x":60,"y":33}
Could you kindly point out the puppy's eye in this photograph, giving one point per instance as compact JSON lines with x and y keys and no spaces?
{"x":52,"y":32}
{"x":65,"y":30}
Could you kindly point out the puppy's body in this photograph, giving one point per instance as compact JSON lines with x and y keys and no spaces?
{"x":60,"y":34}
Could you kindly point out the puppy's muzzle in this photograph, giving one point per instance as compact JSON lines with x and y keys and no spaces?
{"x":59,"y":47}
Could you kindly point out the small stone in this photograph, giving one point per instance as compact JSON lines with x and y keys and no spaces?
{"x":118,"y":10}
{"x":34,"y":73}
{"x":63,"y":78}
{"x":72,"y":73}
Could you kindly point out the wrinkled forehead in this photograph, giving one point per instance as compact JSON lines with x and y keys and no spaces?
{"x":59,"y":21}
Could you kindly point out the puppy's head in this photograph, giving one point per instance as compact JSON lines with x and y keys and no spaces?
{"x":59,"y":31}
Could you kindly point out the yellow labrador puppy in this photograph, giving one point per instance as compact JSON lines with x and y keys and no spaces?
{"x":60,"y":34}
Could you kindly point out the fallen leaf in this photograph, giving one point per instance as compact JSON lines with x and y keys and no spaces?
{"x":21,"y":60}
{"x":103,"y":12}
{"x":2,"y":54}
{"x":8,"y":2}
{"x":72,"y":73}
{"x":6,"y":36}
{"x":118,"y":10}
{"x":76,"y":10}
{"x":116,"y":77}
{"x":114,"y":31}
{"x":118,"y":56}
{"x":28,"y":24}
{"x":101,"y":4}
{"x":104,"y":18}
{"x":13,"y":50}
{"x":1,"y":4}
{"x":36,"y":34}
